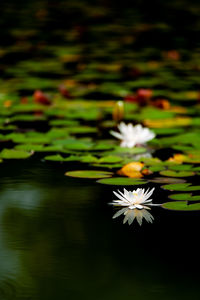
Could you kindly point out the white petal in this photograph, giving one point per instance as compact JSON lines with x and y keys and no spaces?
{"x":148,"y":194}
{"x":119,"y":196}
{"x":116,"y":134}
{"x":138,"y":206}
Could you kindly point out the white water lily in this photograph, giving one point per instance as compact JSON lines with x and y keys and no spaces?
{"x":132,"y":214}
{"x":134,"y":199}
{"x":131,"y":136}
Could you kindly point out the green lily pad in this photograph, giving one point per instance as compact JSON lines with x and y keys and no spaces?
{"x":57,"y":157}
{"x":122,"y":181}
{"x":78,"y":145}
{"x":88,"y":159}
{"x":157,"y":168}
{"x":181,"y":205}
{"x":100,"y":146}
{"x":181,"y":167}
{"x":73,"y":158}
{"x":27,"y":118}
{"x":14,"y":154}
{"x":112,"y":159}
{"x":56,"y":133}
{"x":81,"y":130}
{"x":89,"y":174}
{"x":185,"y":187}
{"x":107,"y":166}
{"x":136,"y":150}
{"x":177,"y":173}
{"x":63,"y":122}
{"x":30,"y":147}
{"x":182,"y":147}
{"x":168,"y":131}
{"x":184,"y":196}
{"x":196,"y":169}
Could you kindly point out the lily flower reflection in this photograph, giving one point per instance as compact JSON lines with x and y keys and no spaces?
{"x":136,"y":205}
{"x":131,"y":136}
{"x":132,"y":214}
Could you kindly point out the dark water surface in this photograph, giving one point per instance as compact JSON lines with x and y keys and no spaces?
{"x":58,"y":241}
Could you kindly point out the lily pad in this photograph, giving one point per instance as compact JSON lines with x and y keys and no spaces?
{"x":78,"y":145}
{"x":88,"y":159}
{"x":168,"y":131}
{"x":181,"y":167}
{"x":177,"y":173}
{"x":89,"y":174}
{"x":184,"y":196}
{"x":122,"y":181}
{"x":181,"y":205}
{"x":57,"y":157}
{"x":112,"y":159}
{"x":81,"y":130}
{"x":14,"y":154}
{"x":185,"y":187}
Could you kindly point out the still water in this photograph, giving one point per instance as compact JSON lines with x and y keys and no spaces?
{"x":58,"y":241}
{"x":57,"y":236}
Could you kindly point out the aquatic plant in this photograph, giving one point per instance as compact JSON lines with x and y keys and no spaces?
{"x":132,"y":136}
{"x":134,"y":199}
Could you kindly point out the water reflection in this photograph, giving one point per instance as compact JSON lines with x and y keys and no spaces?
{"x":132,"y":214}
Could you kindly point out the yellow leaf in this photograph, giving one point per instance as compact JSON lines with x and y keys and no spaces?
{"x":178,"y":158}
{"x":167,"y":123}
{"x":132,"y":170}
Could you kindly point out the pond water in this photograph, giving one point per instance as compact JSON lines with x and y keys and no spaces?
{"x":58,"y":238}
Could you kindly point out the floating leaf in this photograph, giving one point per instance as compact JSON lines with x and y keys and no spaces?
{"x":112,"y":159}
{"x":109,"y":166}
{"x":181,"y":205}
{"x":157,"y":168}
{"x":185,"y":187}
{"x":177,"y":173}
{"x":89,"y":174}
{"x":81,"y":129}
{"x":88,"y":159}
{"x":73,"y":158}
{"x":102,"y":146}
{"x":183,"y":167}
{"x":63,"y":122}
{"x":78,"y":145}
{"x":122,"y":181}
{"x":182,"y":196}
{"x":30,"y":147}
{"x":136,"y":150}
{"x":14,"y":154}
{"x":57,"y":157}
{"x":132,"y":170}
{"x":168,"y":131}
{"x":185,"y":196}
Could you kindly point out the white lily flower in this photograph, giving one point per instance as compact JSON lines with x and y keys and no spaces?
{"x":132,"y":214}
{"x":134,"y":199}
{"x":133,"y":135}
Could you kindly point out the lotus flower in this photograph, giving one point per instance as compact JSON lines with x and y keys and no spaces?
{"x":131,"y":136}
{"x":134,"y":199}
